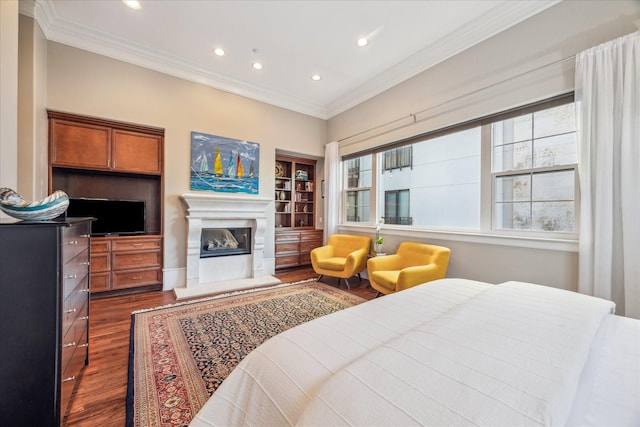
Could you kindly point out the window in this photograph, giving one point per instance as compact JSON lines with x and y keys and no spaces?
{"x":396,"y":207}
{"x":397,"y":158}
{"x":534,"y":170}
{"x":515,"y":172}
{"x":358,"y":173}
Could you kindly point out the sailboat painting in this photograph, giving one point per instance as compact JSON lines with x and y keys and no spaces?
{"x":224,"y":164}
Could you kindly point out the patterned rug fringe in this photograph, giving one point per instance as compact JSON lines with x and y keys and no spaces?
{"x":224,"y":295}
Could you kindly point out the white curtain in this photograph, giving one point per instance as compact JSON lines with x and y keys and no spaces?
{"x":608,"y":114}
{"x":331,"y":189}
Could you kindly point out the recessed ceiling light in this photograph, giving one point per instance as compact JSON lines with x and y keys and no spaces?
{"x":218,"y":51}
{"x":316,"y":77}
{"x":133,"y":4}
{"x":362,"y":42}
{"x":257,"y":66}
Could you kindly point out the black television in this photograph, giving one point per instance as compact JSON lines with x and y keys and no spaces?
{"x":114,"y":217}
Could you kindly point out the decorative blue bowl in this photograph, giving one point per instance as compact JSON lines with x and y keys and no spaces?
{"x":48,"y":208}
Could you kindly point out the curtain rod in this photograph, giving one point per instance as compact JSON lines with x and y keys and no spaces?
{"x":413,"y":115}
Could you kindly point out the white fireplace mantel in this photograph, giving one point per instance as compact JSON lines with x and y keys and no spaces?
{"x":221,"y":211}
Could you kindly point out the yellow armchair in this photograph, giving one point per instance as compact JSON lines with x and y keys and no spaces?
{"x":413,"y":264}
{"x":343,"y":256}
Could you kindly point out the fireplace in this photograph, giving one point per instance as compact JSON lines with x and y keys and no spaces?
{"x":214,"y":261}
{"x":216,"y":242}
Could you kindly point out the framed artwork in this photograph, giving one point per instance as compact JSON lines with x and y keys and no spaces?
{"x":224,"y":164}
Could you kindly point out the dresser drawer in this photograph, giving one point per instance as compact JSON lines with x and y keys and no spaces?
{"x":134,"y":278}
{"x":130,"y":260}
{"x":73,"y":272}
{"x":75,"y":239}
{"x":136,"y":245}
{"x":77,"y":359}
{"x":100,"y":262}
{"x":75,"y":306}
{"x":75,"y":337}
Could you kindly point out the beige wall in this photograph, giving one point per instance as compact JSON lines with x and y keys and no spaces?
{"x":90,"y":84}
{"x":9,"y":97}
{"x":468,"y":86}
{"x":32,"y":118}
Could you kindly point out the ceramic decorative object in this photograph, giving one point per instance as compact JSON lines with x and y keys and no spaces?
{"x":48,"y":208}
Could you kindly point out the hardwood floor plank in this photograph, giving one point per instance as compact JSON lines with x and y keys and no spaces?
{"x":100,"y":398}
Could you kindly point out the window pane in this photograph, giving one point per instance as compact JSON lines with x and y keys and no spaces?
{"x":442,"y":186}
{"x":512,"y":130}
{"x":515,"y":216}
{"x":359,"y":172}
{"x":556,"y":150}
{"x":554,"y":121}
{"x":549,"y":186}
{"x":513,"y":188}
{"x":553,"y":216}
{"x":512,"y":156}
{"x":358,"y":205}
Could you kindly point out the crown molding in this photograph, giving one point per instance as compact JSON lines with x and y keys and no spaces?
{"x":75,"y":35}
{"x":58,"y":30}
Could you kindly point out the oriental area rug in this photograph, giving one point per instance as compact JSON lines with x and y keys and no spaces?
{"x":180,"y":354}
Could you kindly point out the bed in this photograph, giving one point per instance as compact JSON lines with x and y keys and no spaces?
{"x":449,"y":352}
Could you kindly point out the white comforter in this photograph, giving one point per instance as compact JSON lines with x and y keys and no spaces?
{"x":451,"y":352}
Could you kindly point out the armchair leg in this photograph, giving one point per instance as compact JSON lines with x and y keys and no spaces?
{"x":319,"y":277}
{"x":359,"y":278}
{"x":378,"y":294}
{"x":345,"y":281}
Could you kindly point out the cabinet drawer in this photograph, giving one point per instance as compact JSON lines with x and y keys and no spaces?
{"x":286,"y":247}
{"x":305,"y":258}
{"x":74,"y":272}
{"x":74,"y":240}
{"x":129,"y":260}
{"x":287,"y":260}
{"x":135,"y":278}
{"x":135,"y":245}
{"x":100,"y":263}
{"x":100,"y":282}
{"x":100,"y":246}
{"x":285,"y":237}
{"x":306,"y":247}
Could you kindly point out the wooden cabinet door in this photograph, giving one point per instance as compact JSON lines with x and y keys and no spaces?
{"x":136,"y":152}
{"x":79,"y":145}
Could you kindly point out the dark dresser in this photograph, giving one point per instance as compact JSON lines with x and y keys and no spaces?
{"x":44,"y":318}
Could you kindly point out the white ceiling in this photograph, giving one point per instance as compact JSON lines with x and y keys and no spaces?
{"x":293,"y":40}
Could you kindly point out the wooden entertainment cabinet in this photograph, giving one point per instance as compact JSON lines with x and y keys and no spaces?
{"x":106,"y":159}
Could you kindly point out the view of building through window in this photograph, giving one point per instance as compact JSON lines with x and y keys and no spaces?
{"x":358,"y":177}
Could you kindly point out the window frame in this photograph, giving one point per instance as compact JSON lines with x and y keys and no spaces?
{"x":488,"y":228}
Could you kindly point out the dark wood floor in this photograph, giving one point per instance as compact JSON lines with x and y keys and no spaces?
{"x":100,"y":398}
